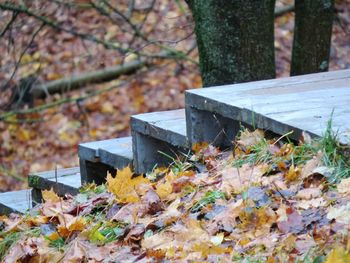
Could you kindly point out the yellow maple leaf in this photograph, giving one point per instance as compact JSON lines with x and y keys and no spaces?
{"x":123,"y":185}
{"x":338,"y":255}
{"x":164,"y":190}
{"x":50,"y":196}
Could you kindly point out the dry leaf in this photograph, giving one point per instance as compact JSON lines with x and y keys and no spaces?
{"x":309,"y":193}
{"x":340,"y":214}
{"x":344,"y":186}
{"x":123,"y":185}
{"x":50,"y":196}
{"x":338,"y":255}
{"x":248,"y":138}
{"x":292,"y":174}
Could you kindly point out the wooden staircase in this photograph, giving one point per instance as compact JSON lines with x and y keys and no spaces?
{"x":214,"y":115}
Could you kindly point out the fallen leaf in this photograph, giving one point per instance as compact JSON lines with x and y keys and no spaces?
{"x":344,"y":186}
{"x":247,"y":138}
{"x":309,"y":193}
{"x":50,"y":196}
{"x":82,"y":250}
{"x":338,"y":255}
{"x":316,"y":202}
{"x":164,"y":190}
{"x":226,"y":220}
{"x":123,"y":185}
{"x":340,"y":214}
{"x":235,"y":180}
{"x":292,"y":174}
{"x":152,"y":202}
{"x":293,"y":224}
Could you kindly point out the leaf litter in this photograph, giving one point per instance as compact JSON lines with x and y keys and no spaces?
{"x":264,"y":201}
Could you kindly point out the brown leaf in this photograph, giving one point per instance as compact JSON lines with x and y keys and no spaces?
{"x":235,"y":180}
{"x":135,"y":234}
{"x":129,"y":213}
{"x":344,"y":186}
{"x":309,"y":193}
{"x":248,"y":138}
{"x":82,"y":250}
{"x":152,"y":202}
{"x":226,"y":220}
{"x":293,"y":224}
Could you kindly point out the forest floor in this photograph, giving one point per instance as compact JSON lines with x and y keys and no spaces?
{"x":265,"y":201}
{"x":52,"y":141}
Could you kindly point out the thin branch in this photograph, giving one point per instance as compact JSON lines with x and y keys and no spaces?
{"x":173,"y":53}
{"x":53,"y":24}
{"x":5,"y":116}
{"x":21,"y":56}
{"x":7,"y":27}
{"x":130,"y":8}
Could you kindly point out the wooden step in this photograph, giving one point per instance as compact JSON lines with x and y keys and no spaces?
{"x":157,"y":132}
{"x":302,"y":103}
{"x":62,"y":181}
{"x":15,"y":202}
{"x":98,"y":157}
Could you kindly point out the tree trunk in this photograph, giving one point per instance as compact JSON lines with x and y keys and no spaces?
{"x":235,"y":40}
{"x":312,"y":36}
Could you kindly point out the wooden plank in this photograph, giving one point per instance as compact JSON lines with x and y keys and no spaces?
{"x":67,"y":181}
{"x":167,"y":126}
{"x":303,"y":103}
{"x":157,"y":132}
{"x":116,"y":153}
{"x":15,"y":202}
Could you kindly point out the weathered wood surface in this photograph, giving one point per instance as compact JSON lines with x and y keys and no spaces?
{"x":155,"y":133}
{"x":116,"y":153}
{"x":68,"y":178}
{"x":302,"y":103}
{"x":100,"y":157}
{"x":62,"y":181}
{"x":167,"y":126}
{"x":15,"y":202}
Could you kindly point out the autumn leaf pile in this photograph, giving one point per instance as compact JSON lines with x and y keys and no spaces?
{"x":264,"y":201}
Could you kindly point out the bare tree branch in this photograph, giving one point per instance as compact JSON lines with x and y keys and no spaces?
{"x":21,"y":55}
{"x":8,"y":26}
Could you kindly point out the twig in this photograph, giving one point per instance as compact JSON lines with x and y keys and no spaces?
{"x":108,"y":45}
{"x":7,"y":27}
{"x":283,"y":197}
{"x":21,"y":55}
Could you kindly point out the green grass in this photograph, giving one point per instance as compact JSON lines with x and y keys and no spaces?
{"x":7,"y":242}
{"x":59,"y":243}
{"x":10,"y":238}
{"x":335,"y":156}
{"x":209,"y":198}
{"x":178,"y":164}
